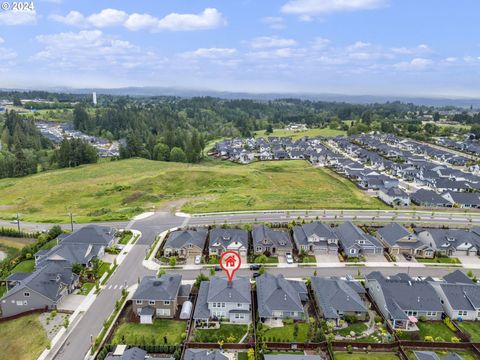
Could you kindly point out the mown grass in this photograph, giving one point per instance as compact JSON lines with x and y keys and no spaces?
{"x":227,"y":333}
{"x":24,"y":266}
{"x":297,"y":135}
{"x":365,"y":356}
{"x":286,"y":333}
{"x":108,"y":191}
{"x":472,"y":328}
{"x":23,"y":338}
{"x":134,"y":334}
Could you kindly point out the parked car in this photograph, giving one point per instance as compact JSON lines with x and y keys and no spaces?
{"x":254,"y":267}
{"x":198,"y":260}
{"x":289,"y":258}
{"x":217,"y":268}
{"x":408,"y":257}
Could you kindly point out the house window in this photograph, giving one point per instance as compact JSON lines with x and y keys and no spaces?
{"x":259,"y":248}
{"x":19,"y":302}
{"x":139,"y":302}
{"x":431,"y":313}
{"x":26,"y":294}
{"x":24,"y":302}
{"x":239,"y":305}
{"x":166,"y":302}
{"x":361,"y":242}
{"x":352,"y":251}
{"x":214,"y":304}
{"x":151,"y":302}
{"x":462,"y":313}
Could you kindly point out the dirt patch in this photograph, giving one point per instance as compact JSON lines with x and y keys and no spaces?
{"x":16,"y":243}
{"x":6,"y":207}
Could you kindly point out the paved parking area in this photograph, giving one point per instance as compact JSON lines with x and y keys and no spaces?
{"x":469,"y":260}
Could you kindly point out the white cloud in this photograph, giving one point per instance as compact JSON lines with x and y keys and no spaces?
{"x":282,"y":53}
{"x":320,"y":43}
{"x":317,"y":7}
{"x":136,"y":22}
{"x":73,"y":18}
{"x":7,"y":54}
{"x":209,"y":18}
{"x":414,"y":64}
{"x":13,"y":17}
{"x":210,"y":53}
{"x":91,"y":49}
{"x":274,"y":22}
{"x":108,"y":17}
{"x":1,"y":40}
{"x":271,"y":42}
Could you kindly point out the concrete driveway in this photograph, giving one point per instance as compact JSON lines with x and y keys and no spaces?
{"x":70,"y":302}
{"x":327,"y":258}
{"x":403,"y":261}
{"x":377,"y":258}
{"x":469,"y":260}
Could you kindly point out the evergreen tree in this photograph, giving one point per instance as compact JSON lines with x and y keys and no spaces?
{"x":177,"y":155}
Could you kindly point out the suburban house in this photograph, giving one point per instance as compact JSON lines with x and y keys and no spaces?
{"x":460,"y":296}
{"x":464,"y":200}
{"x":185,"y":243}
{"x":80,"y":247}
{"x":398,"y":240}
{"x":337,"y":298}
{"x":203,"y":354}
{"x":159,"y":297}
{"x":275,"y":242}
{"x":354,"y":242}
{"x":279,"y":298}
{"x":429,"y":198}
{"x":450,"y":241}
{"x":222,"y":240}
{"x":315,"y":238}
{"x":133,"y":353}
{"x":402,"y":300}
{"x":41,"y":290}
{"x":223,"y":299}
{"x":394,"y":196}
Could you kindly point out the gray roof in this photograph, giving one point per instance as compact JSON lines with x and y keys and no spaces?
{"x":278,"y":293}
{"x":48,"y":280}
{"x":428,"y":197}
{"x":81,"y":253}
{"x":394,"y":232}
{"x":334,"y":295}
{"x":301,"y":233}
{"x":348,"y":234}
{"x":458,"y":277}
{"x":225,"y":237}
{"x":201,"y":354}
{"x":91,"y":234}
{"x":181,"y":238}
{"x":263,"y":235}
{"x":462,"y":297}
{"x":130,"y":354}
{"x":164,"y":288}
{"x":219,"y":289}
{"x":453,"y":237}
{"x":18,"y":276}
{"x":402,"y":293}
{"x":430,"y":355}
{"x":464,"y":198}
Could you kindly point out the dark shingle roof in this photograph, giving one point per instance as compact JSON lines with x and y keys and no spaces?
{"x":164,"y":288}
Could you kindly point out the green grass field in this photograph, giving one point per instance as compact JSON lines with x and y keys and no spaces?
{"x":132,"y":334}
{"x":365,"y":356}
{"x":108,"y":191}
{"x":435,"y":329}
{"x":24,"y":266}
{"x":472,"y":328}
{"x":297,"y":135}
{"x":23,"y":338}
{"x":226,"y":332}
{"x":285,"y":333}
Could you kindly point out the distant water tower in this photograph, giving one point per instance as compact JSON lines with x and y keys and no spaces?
{"x":94,"y":95}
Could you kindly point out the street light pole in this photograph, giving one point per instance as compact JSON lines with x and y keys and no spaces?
{"x":71,"y":220}
{"x":18,"y":222}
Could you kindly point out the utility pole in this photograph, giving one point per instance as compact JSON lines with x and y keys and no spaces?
{"x":18,"y":222}
{"x":71,"y":220}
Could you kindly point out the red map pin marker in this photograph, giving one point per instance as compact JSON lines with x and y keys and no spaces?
{"x":230,"y":262}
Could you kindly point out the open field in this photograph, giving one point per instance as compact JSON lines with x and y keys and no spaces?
{"x":297,"y":135}
{"x":108,"y":191}
{"x":23,"y":338}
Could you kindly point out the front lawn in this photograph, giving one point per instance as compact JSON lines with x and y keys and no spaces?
{"x":440,"y":260}
{"x":24,"y":266}
{"x":358,"y":328}
{"x":23,"y":338}
{"x":103,"y":268}
{"x":286,"y":333}
{"x":308,"y":259}
{"x":472,"y":328}
{"x":365,"y":356}
{"x":154,"y":334}
{"x":229,"y":333}
{"x":262,"y":259}
{"x":125,"y":237}
{"x":436,"y":329}
{"x":85,"y":289}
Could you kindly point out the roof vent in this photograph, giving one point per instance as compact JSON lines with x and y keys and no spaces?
{"x":157,"y":283}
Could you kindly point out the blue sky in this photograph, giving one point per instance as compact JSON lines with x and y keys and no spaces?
{"x":369,"y":47}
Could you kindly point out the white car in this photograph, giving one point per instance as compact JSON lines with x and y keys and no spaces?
{"x":289,"y":259}
{"x":198,"y":260}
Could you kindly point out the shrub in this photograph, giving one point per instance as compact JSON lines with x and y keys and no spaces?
{"x":455,"y":339}
{"x":422,"y":318}
{"x":428,"y":338}
{"x":449,"y":324}
{"x":378,"y":319}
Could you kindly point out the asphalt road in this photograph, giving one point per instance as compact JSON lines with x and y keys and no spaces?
{"x":130,"y":270}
